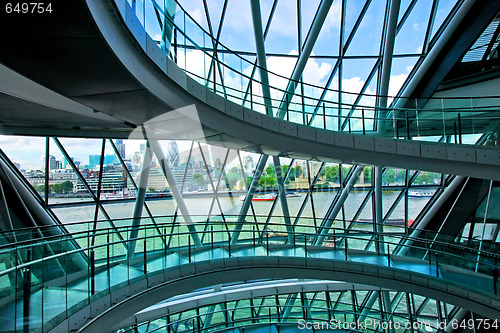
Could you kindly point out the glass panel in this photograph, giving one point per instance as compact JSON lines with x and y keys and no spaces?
{"x":367,"y":39}
{"x":415,"y":26}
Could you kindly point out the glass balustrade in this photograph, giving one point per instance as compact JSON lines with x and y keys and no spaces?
{"x":45,"y":280}
{"x":286,"y":313}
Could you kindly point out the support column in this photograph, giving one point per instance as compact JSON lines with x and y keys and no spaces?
{"x":378,"y":226}
{"x":261,"y":54}
{"x":167,"y":27}
{"x":38,"y":217}
{"x":312,"y":36}
{"x":139,"y":200}
{"x":387,"y":54}
{"x":208,"y":318}
{"x":282,"y":194}
{"x":248,"y":198}
{"x":402,"y":249}
{"x":486,"y":210}
{"x":290,"y":301}
{"x":175,"y":190}
{"x":327,"y":223}
{"x":456,"y":319}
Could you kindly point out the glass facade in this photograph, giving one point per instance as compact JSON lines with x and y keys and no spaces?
{"x":189,"y":236}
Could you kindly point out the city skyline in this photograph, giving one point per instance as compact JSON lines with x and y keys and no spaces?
{"x":25,"y":150}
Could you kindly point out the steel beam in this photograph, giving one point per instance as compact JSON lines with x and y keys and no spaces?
{"x":248,"y":198}
{"x":287,"y":309}
{"x":311,"y":38}
{"x":282,"y":194}
{"x":387,"y":52}
{"x":175,"y":190}
{"x":43,"y":222}
{"x":486,"y":210}
{"x":261,"y":54}
{"x":402,"y":249}
{"x":166,"y":29}
{"x":378,"y":226}
{"x":451,"y":43}
{"x":327,"y":223}
{"x":457,"y":318}
{"x":139,"y":200}
{"x":208,"y":318}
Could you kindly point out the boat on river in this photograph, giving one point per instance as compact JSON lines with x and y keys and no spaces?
{"x":420,"y":194}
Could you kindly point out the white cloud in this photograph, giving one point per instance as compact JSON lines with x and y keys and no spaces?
{"x":333,"y":17}
{"x":197,"y":15}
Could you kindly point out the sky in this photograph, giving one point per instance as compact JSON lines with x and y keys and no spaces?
{"x":29,"y":151}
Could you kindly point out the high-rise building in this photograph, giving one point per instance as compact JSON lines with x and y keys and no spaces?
{"x":217,"y":163}
{"x":94,"y":160}
{"x":52,"y":163}
{"x":111,"y":159}
{"x":248,"y":162}
{"x":120,"y":146}
{"x":173,"y":154}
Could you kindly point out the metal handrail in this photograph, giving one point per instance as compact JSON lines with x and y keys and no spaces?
{"x":85,"y":233}
{"x":427,"y":244}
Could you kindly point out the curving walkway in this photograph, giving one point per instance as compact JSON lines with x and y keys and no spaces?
{"x":123,"y":289}
{"x":247,"y":290}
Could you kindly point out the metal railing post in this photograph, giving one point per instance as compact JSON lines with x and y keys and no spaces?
{"x":267,"y":242}
{"x":345,"y":248}
{"x":437,"y":265}
{"x":27,"y":294}
{"x":92,"y":272}
{"x":388,"y":256}
{"x":459,"y":129}
{"x":107,"y":252}
{"x":251,"y":94}
{"x":212,"y":235}
{"x":455,"y":130}
{"x":165,"y":243}
{"x":145,"y":254}
{"x":189,"y":247}
{"x":305,"y":245}
{"x":324,"y":116}
{"x":495,"y":280}
{"x":407,"y":126}
{"x":253,"y":235}
{"x":363,"y":119}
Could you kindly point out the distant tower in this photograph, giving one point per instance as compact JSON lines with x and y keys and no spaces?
{"x":52,"y":163}
{"x":173,"y":154}
{"x":218,"y":163}
{"x":120,"y":146}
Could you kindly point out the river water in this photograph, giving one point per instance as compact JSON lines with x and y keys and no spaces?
{"x":232,"y":205}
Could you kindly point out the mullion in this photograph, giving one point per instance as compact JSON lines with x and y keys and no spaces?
{"x":99,"y":184}
{"x":254,"y":68}
{"x":122,"y":162}
{"x":86,"y":185}
{"x":309,"y":193}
